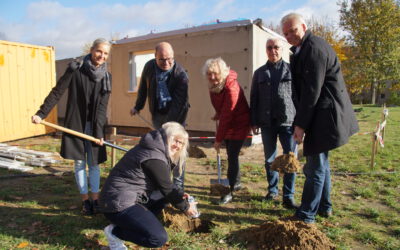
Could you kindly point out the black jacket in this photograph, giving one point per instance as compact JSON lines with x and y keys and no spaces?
{"x":177,"y":87}
{"x":325,"y":111}
{"x":132,"y":181}
{"x":76,"y":82}
{"x":263,"y":103}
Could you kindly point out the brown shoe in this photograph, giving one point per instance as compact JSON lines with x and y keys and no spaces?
{"x":325,"y":214}
{"x":290,"y":204}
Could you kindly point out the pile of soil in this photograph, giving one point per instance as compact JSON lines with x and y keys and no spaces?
{"x":286,"y":234}
{"x":286,"y":163}
{"x":178,"y":221}
{"x":219,"y":189}
{"x":196,"y":152}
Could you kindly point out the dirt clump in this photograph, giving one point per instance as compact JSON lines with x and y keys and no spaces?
{"x":178,"y":221}
{"x":286,"y":163}
{"x":286,"y":234}
{"x":219,"y":189}
{"x":196,"y":152}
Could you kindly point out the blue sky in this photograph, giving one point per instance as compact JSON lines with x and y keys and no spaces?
{"x":69,"y":24}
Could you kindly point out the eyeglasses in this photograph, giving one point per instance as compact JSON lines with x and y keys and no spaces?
{"x":273,"y":47}
{"x":179,"y":142}
{"x":164,"y":60}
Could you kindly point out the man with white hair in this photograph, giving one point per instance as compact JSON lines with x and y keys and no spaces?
{"x":324,"y":115}
{"x":272,"y":108}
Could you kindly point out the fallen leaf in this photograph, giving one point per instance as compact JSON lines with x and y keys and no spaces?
{"x":23,"y":244}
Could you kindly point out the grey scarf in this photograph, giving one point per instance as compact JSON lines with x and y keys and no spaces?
{"x":97,"y":74}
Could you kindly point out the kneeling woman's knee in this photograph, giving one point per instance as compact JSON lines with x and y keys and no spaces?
{"x":158,"y":240}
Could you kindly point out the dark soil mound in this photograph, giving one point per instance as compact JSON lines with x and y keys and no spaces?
{"x":196,"y":152}
{"x":180,"y":222}
{"x":286,"y":234}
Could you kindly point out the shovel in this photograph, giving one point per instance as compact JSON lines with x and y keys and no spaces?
{"x":81,"y":135}
{"x":223,"y":182}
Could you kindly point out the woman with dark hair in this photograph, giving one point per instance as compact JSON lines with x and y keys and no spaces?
{"x":232,"y":115}
{"x":89,"y":86}
{"x":140,"y":186}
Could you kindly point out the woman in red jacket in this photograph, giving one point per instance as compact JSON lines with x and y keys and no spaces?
{"x":232,"y":114}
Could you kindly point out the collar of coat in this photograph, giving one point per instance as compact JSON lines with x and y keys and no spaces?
{"x":305,"y":38}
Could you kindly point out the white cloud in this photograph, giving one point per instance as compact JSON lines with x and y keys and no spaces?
{"x":222,"y":6}
{"x":69,"y":28}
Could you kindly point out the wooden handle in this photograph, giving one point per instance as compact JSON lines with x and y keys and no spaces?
{"x":70,"y":131}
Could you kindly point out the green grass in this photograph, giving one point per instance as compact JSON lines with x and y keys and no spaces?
{"x":43,"y":211}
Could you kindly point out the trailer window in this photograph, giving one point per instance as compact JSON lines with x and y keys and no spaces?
{"x":137,"y":60}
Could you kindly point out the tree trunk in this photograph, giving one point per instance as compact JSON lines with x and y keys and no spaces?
{"x":373,"y":92}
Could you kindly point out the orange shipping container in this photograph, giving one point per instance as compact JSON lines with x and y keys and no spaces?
{"x":27,"y":74}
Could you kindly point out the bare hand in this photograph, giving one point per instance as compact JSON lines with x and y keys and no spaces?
{"x":217,"y":146}
{"x":100,"y":142}
{"x":134,"y":111}
{"x":298,"y":134}
{"x":36,"y":119}
{"x":255,"y":130}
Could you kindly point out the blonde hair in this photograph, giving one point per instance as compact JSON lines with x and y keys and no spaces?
{"x":216,"y":63}
{"x":172,"y":130}
{"x":293,"y":17}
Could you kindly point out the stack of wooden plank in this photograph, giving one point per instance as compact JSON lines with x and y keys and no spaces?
{"x":15,"y":158}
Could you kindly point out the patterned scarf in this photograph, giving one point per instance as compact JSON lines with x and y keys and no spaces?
{"x":163,"y":95}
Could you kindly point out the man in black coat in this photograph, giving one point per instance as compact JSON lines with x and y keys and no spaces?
{"x":324,"y":116}
{"x":165,"y":83}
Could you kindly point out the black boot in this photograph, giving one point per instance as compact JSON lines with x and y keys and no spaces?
{"x":95,"y":207}
{"x":87,"y":207}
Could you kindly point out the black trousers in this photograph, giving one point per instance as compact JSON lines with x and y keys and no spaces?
{"x":233,"y":149}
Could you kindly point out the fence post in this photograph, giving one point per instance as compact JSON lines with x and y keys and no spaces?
{"x":384,"y":114}
{"x":374,"y":145}
{"x":113,"y":150}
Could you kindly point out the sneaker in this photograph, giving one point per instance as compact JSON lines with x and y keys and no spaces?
{"x":226,"y":199}
{"x":290,"y":204}
{"x":87,"y":208}
{"x":113,"y":242}
{"x":237,"y":186}
{"x":270,"y":197}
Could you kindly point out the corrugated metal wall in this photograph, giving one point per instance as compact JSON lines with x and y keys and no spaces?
{"x":27,"y":74}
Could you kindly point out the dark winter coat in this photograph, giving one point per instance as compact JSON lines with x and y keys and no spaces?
{"x":325,"y":111}
{"x":264,"y":102}
{"x":232,"y":110}
{"x":177,"y":86}
{"x":76,"y":82}
{"x":128,"y":183}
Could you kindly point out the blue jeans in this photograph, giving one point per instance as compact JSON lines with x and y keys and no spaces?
{"x":269,"y":137}
{"x":317,"y":188}
{"x":139,"y":223}
{"x":80,"y":168}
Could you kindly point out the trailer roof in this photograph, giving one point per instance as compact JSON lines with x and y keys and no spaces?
{"x":211,"y":26}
